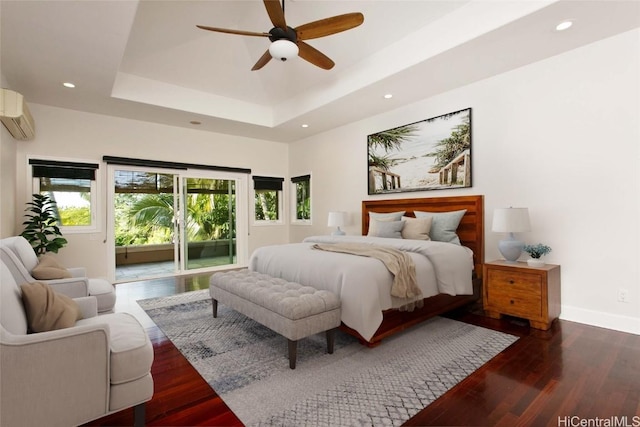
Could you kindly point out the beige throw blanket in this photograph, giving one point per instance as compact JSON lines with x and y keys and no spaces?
{"x":399,"y":263}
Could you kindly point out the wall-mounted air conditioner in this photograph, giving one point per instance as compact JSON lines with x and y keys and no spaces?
{"x":15,"y":115}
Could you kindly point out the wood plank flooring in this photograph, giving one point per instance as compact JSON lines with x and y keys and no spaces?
{"x":559,"y":377}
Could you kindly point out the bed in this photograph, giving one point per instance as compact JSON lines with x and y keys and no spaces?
{"x":363,"y":283}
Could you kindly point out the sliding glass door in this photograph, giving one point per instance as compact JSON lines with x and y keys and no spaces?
{"x":168,"y":222}
{"x":208,"y":225}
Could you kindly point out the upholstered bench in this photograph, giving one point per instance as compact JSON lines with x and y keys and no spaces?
{"x":288,"y":308}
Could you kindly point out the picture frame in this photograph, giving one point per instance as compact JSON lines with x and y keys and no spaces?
{"x":431,"y":154}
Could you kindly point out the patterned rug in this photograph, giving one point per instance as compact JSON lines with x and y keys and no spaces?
{"x":246,"y":364}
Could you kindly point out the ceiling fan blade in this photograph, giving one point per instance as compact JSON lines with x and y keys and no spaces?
{"x":264,"y":59}
{"x":225,"y":30}
{"x":276,"y":13}
{"x":313,"y":55}
{"x":328,"y":26}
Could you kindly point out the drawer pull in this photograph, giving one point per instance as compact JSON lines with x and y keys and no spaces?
{"x":512,"y":302}
{"x":512,"y":281}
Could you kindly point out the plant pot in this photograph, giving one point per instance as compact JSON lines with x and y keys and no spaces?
{"x":535,"y":262}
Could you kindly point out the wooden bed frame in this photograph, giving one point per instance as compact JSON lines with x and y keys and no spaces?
{"x":471,"y":233}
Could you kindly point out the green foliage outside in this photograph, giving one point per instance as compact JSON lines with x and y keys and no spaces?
{"x":143,"y":219}
{"x":266,"y":205}
{"x":303,"y":200}
{"x":149,"y":218}
{"x":75,"y":216}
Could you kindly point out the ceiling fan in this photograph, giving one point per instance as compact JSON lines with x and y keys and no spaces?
{"x":288,"y":42}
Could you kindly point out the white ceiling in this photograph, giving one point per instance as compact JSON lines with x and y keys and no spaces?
{"x":146,"y":60}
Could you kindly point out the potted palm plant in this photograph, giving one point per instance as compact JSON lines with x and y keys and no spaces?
{"x":41,"y":225}
{"x":536,"y":252}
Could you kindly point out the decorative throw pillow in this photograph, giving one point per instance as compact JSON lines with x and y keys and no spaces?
{"x":375,"y":216}
{"x":388,"y":229}
{"x":443,"y":225}
{"x":47,"y":310}
{"x":416,"y":228}
{"x":49,"y":269}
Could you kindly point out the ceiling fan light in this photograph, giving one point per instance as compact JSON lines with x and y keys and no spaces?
{"x":283,"y":49}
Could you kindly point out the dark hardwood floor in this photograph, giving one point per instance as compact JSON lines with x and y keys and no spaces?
{"x":560,"y":377}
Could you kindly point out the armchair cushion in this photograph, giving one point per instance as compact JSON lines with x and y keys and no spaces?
{"x":49,"y":269}
{"x":131,"y":352}
{"x":48,"y":310}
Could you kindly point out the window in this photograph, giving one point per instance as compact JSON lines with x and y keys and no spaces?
{"x":302,"y":190}
{"x":268,"y":199}
{"x":72,"y":186}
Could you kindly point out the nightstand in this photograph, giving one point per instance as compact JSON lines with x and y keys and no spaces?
{"x":518,"y":290}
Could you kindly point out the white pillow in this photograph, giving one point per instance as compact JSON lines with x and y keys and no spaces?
{"x":443,"y":225}
{"x":388,"y":229}
{"x":416,"y":228}
{"x":375,"y":216}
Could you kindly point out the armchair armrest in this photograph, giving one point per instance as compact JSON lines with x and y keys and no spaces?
{"x":76,"y":357}
{"x":74,"y":287}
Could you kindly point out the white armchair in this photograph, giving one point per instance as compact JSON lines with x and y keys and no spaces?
{"x":16,"y":252}
{"x":74,"y":375}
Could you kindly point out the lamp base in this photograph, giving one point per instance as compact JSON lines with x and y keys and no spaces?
{"x":510,"y":248}
{"x":338,"y":232}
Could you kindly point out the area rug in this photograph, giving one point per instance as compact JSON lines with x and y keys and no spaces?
{"x":246,"y":364}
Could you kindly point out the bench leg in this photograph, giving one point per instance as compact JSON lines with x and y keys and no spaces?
{"x":331,"y":339}
{"x":293,"y":353}
{"x":139,"y":415}
{"x":214,"y":305}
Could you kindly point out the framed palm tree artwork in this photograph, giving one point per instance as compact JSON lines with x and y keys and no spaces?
{"x":432,"y":154}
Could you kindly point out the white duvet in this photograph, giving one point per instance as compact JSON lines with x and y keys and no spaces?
{"x":364,"y":284}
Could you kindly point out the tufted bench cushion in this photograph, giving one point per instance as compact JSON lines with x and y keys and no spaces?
{"x":288,"y":308}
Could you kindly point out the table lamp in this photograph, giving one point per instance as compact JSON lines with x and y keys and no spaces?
{"x":511,"y":220}
{"x":337,"y":219}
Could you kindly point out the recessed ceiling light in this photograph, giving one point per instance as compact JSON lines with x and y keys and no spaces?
{"x":68,"y":84}
{"x":564,"y":25}
{"x":195,"y":122}
{"x":305,"y":125}
{"x":388,"y":96}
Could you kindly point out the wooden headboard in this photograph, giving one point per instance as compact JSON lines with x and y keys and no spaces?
{"x":470,"y":230}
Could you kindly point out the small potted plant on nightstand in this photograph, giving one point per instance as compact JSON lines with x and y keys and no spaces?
{"x":536,"y":252}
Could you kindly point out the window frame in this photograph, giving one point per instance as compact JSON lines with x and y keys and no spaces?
{"x":275,"y":184}
{"x":294,"y":200}
{"x":94,"y":189}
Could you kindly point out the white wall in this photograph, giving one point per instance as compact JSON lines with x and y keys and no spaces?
{"x":561,"y":137}
{"x":7,"y":178}
{"x":7,"y":185}
{"x":69,"y":134}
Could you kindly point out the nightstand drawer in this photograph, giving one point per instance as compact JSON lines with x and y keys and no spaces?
{"x":515,"y":293}
{"x":515,"y":279}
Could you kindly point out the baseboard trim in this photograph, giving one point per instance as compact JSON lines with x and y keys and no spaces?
{"x":603,"y":320}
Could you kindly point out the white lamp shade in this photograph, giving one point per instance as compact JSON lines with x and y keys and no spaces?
{"x":337,"y":219}
{"x":283,"y":49}
{"x":511,"y":220}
